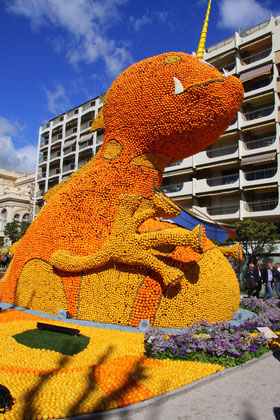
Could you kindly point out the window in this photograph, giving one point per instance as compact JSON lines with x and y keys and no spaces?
{"x":92,"y":103}
{"x":61,"y":118}
{"x":4,"y":215}
{"x":16,"y":218}
{"x":25,"y":217}
{"x":76,"y":111}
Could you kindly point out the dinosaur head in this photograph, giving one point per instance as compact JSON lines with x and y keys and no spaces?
{"x":173,"y":104}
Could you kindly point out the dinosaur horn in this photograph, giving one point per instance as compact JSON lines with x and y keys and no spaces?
{"x":202,"y":40}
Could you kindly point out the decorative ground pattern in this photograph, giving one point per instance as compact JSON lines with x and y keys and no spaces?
{"x":111,"y":372}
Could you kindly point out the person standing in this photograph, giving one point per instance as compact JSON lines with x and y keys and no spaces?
{"x":258,"y":278}
{"x":250,"y":281}
{"x":268,"y":281}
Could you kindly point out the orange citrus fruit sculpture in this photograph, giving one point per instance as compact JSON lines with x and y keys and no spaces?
{"x":97,"y":248}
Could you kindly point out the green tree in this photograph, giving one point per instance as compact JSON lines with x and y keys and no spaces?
{"x":256,"y":238}
{"x":15,"y":230}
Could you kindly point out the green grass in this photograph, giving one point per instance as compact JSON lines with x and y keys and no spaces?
{"x":50,"y":340}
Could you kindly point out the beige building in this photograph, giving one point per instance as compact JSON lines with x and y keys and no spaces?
{"x":236,"y":178}
{"x":16,"y":199}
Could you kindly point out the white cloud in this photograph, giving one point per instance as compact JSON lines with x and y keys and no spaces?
{"x":84,"y":23}
{"x":243,"y":13}
{"x":57,"y":100}
{"x":22,"y":159}
{"x":147,"y":19}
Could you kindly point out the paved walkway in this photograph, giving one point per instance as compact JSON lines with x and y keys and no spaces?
{"x":250,"y":392}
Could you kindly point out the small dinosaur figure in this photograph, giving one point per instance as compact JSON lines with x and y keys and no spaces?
{"x":97,"y":248}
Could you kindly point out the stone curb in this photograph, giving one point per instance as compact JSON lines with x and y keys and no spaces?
{"x":123,"y":412}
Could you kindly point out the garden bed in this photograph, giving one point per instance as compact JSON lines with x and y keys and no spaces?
{"x":112,"y":369}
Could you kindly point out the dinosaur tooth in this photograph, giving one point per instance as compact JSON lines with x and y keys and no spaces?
{"x":178,"y":86}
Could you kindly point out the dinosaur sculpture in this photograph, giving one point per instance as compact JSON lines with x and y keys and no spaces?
{"x":97,"y":248}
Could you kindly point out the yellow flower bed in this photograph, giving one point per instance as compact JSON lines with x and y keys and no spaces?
{"x":111,"y":372}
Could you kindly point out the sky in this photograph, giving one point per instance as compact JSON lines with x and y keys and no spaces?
{"x":57,"y":54}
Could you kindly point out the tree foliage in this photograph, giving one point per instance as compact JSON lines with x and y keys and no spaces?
{"x":15,"y":230}
{"x":256,"y":238}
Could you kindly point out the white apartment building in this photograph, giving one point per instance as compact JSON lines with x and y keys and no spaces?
{"x":236,"y":178}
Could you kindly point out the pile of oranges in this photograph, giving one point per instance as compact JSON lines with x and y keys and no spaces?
{"x":69,"y":258}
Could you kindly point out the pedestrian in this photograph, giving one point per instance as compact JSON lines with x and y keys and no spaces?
{"x":250,"y":280}
{"x":258,"y":278}
{"x":276,"y":277}
{"x":268,"y":281}
{"x":278,"y":286}
{"x":3,"y":260}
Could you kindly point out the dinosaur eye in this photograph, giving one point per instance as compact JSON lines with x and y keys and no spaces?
{"x":205,"y":62}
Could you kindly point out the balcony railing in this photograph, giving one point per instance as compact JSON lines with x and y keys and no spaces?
{"x":86,"y":124}
{"x":228,"y":67}
{"x":269,"y":204}
{"x":220,"y":44}
{"x":86,"y":144}
{"x":221,"y":151}
{"x":56,"y":137}
{"x":175,"y":163}
{"x":259,"y":113}
{"x":222,"y":209}
{"x":260,"y":174}
{"x":83,"y":162}
{"x":69,"y":167}
{"x":43,"y":159}
{"x":72,"y":130}
{"x":255,"y":28}
{"x":256,"y":57}
{"x":41,"y":175}
{"x":55,"y":171}
{"x":55,"y":155}
{"x":253,"y":86}
{"x":70,"y":149}
{"x":222,"y":180}
{"x":172,"y":188}
{"x":258,"y":143}
{"x":47,"y":125}
{"x":44,"y":143}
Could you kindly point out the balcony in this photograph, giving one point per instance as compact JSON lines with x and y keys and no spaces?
{"x":45,"y":126}
{"x":233,"y":125}
{"x":267,"y":143}
{"x":180,"y":165}
{"x":86,"y":125}
{"x":71,"y":131}
{"x":222,"y":46}
{"x":268,"y":207}
{"x":41,"y":175}
{"x":225,"y":182}
{"x":260,"y":176}
{"x":88,"y":105}
{"x":54,"y":171}
{"x":177,"y":190}
{"x":55,"y":155}
{"x":222,"y":212}
{"x":99,"y":138}
{"x":230,"y":68}
{"x":258,"y":87}
{"x":250,"y":61}
{"x":58,"y":120}
{"x":70,"y":149}
{"x":261,"y":114}
{"x":56,"y":137}
{"x":72,"y":113}
{"x":68,"y":167}
{"x":218,"y":152}
{"x":86,"y":144}
{"x":83,"y":162}
{"x":42,"y":159}
{"x":44,"y":143}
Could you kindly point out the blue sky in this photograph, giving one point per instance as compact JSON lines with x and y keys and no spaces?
{"x":57,"y":54}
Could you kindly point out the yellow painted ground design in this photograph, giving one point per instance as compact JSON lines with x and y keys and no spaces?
{"x":111,"y":372}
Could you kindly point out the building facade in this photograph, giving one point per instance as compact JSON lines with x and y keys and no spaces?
{"x":236,"y":178}
{"x":16,"y":199}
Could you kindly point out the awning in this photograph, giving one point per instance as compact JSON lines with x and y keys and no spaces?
{"x":262,"y":187}
{"x":85,"y":138}
{"x":259,"y":158}
{"x":69,"y":143}
{"x":220,"y":57}
{"x":222,"y":192}
{"x":250,"y":44}
{"x":254,"y":127}
{"x":214,"y":164}
{"x":259,"y":71}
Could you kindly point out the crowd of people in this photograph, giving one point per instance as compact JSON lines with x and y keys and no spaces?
{"x":5,"y":259}
{"x":268,"y":277}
